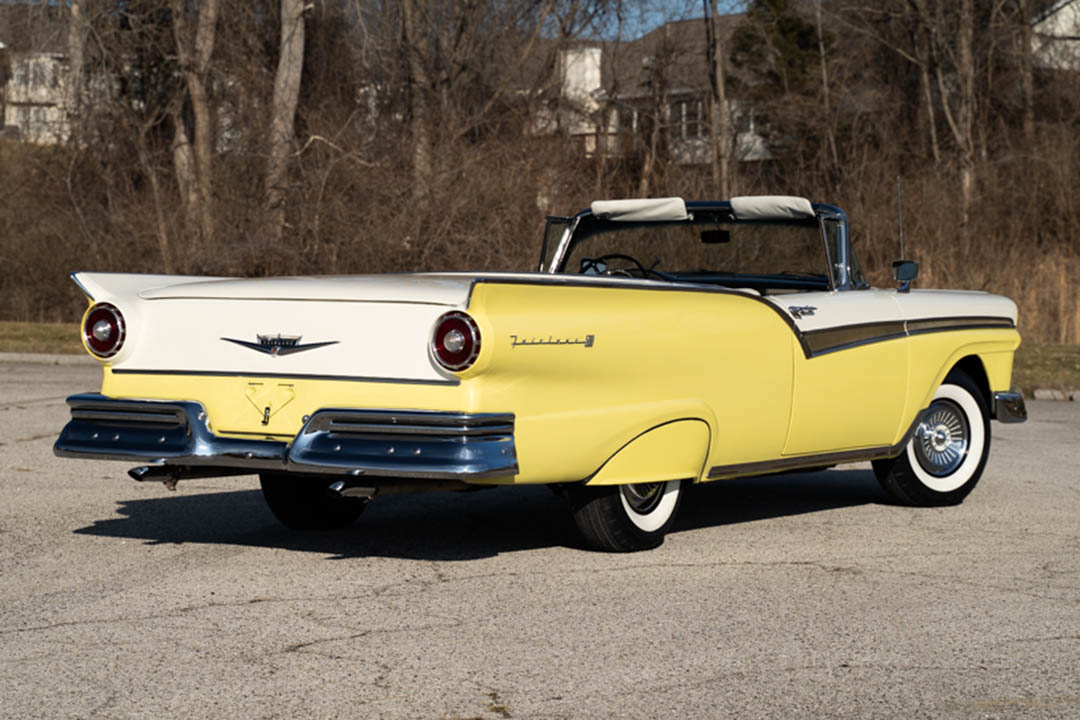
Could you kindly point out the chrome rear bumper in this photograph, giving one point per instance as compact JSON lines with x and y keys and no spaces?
{"x":376,"y":443}
{"x":1009,"y":407}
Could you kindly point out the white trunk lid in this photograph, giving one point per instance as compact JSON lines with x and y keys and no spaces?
{"x":362,"y":327}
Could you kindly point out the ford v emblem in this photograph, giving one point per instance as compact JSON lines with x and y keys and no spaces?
{"x":275,"y":345}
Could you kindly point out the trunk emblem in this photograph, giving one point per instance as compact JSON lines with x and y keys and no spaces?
{"x":276,"y":345}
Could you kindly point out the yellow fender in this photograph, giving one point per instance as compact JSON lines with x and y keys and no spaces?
{"x":672,"y":451}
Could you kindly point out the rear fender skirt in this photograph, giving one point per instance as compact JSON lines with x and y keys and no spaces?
{"x":673,"y":451}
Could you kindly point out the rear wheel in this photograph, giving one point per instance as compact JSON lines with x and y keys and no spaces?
{"x":625,"y":518}
{"x":945,"y":457}
{"x":307,"y":504}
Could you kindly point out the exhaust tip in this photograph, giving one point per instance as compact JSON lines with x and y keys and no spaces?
{"x":343,"y":489}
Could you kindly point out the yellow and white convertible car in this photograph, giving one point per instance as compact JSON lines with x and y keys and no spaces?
{"x":660,"y":343}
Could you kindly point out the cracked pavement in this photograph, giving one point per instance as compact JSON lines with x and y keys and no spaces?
{"x":801,"y":595}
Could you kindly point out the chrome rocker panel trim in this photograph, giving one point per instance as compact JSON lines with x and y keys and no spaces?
{"x":798,"y":462}
{"x":376,"y":443}
{"x":1009,"y":407}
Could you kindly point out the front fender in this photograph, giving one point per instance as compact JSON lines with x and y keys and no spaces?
{"x":934,"y":356}
{"x":673,"y":451}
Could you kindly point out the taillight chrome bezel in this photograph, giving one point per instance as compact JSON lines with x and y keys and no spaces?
{"x":460,"y":360}
{"x":104,"y":312}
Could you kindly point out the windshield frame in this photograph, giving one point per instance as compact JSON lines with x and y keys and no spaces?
{"x":842,"y":271}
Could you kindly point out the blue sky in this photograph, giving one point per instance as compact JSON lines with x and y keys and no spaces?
{"x":650,"y":14}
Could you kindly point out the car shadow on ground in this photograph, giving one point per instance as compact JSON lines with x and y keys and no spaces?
{"x":725,"y":502}
{"x":463,"y":526}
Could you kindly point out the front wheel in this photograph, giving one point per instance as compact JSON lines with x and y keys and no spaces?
{"x":625,"y":518}
{"x":945,"y":457}
{"x":303,"y":503}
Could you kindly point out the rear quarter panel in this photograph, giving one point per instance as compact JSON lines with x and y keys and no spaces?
{"x":656,"y":355}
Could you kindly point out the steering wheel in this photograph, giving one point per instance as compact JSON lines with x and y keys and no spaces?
{"x":643,"y":272}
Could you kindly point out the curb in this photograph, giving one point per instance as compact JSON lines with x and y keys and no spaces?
{"x":47,"y":359}
{"x":1068,"y":395}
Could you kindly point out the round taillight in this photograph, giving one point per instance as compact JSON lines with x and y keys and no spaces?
{"x":104,"y":330}
{"x":456,"y":341}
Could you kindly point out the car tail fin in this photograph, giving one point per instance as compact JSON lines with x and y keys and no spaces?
{"x":100,"y":286}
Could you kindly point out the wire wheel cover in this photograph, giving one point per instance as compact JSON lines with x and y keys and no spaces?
{"x":643,"y":497}
{"x":942,"y":440}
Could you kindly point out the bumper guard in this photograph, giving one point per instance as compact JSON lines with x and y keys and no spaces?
{"x":1009,"y":407}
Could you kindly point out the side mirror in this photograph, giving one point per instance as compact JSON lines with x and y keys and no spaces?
{"x":904,"y":271}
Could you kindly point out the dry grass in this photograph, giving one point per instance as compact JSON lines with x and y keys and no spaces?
{"x":57,"y":338}
{"x":1056,"y":367}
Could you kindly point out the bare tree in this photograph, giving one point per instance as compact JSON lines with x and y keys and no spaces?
{"x":656,"y":119}
{"x":958,"y":103}
{"x":719,"y":113}
{"x":194,"y":154}
{"x":1024,"y":14}
{"x":421,"y":113}
{"x":830,"y":132}
{"x":283,"y":112}
{"x":77,"y":32}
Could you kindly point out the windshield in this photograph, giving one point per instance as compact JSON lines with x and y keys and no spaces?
{"x":759,"y":255}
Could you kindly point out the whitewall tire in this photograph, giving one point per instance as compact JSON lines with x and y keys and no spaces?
{"x":625,"y":518}
{"x":946,"y":455}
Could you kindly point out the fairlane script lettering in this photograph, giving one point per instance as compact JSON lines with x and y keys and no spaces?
{"x":587,"y":342}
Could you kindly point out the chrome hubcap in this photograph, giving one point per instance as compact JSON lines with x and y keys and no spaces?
{"x":941,"y":443}
{"x":643,"y":497}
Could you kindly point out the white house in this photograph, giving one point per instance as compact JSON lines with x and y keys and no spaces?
{"x":1056,"y":37}
{"x":36,"y":98}
{"x":609,"y":93}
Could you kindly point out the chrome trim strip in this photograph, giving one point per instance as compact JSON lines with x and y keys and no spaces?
{"x":284,"y":376}
{"x":143,"y":417}
{"x":829,"y":260}
{"x":75,"y":279}
{"x":172,"y":437}
{"x":564,"y":242}
{"x":1009,"y":407}
{"x":395,"y":422}
{"x":918,"y":327}
{"x":765,"y":467}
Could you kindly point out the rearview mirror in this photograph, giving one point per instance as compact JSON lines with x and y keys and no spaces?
{"x":715,"y":237}
{"x":904,"y":271}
